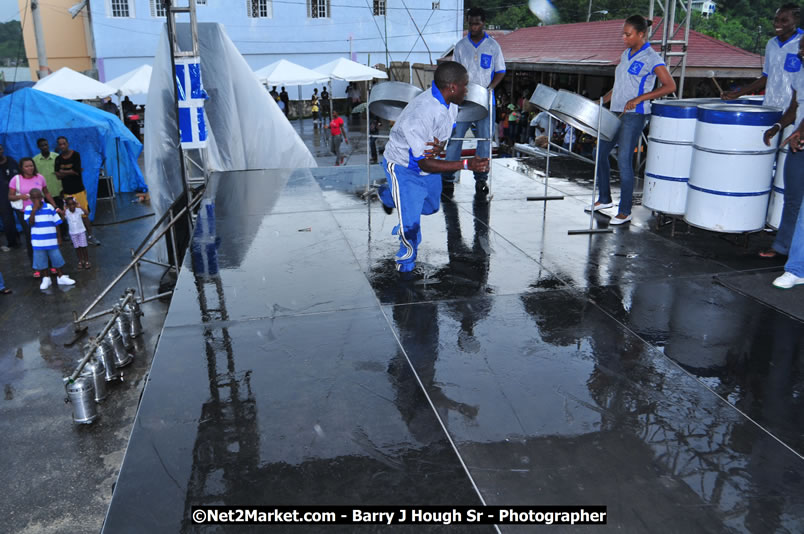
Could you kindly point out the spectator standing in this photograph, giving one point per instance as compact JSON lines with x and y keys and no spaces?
{"x":337,"y":133}
{"x":45,"y":238}
{"x":283,"y":96}
{"x":78,"y":234}
{"x":314,"y":107}
{"x":8,"y":169}
{"x":325,"y":103}
{"x":45,"y":163}
{"x":274,"y":94}
{"x":374,"y":129}
{"x":20,"y":187}
{"x":68,"y":170}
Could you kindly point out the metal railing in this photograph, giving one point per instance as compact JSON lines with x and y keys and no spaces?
{"x":138,"y":256}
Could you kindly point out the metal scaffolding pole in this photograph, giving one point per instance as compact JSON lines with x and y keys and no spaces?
{"x":676,"y":60}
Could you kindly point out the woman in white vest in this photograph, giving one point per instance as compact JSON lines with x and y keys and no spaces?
{"x":634,"y":80}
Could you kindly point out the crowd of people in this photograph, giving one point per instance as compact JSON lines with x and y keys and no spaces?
{"x":44,"y":197}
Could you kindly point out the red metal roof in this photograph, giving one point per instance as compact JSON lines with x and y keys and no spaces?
{"x":600,"y":43}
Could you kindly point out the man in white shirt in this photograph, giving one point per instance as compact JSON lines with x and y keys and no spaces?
{"x":781,"y":61}
{"x":483,"y":59}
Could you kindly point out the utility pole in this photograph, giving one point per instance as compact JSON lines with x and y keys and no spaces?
{"x":39,"y":33}
{"x":589,"y":12}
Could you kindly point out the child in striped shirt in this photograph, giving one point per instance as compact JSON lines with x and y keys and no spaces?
{"x":45,"y":238}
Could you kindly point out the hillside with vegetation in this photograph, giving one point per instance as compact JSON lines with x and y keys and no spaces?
{"x":743,"y":23}
{"x":11,"y":42}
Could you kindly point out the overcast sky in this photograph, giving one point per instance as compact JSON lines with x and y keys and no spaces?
{"x":9,"y":10}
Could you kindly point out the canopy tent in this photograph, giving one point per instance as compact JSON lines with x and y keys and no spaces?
{"x":98,"y":136}
{"x":67,"y":83}
{"x":350,"y":71}
{"x":134,"y":82}
{"x":284,"y":72}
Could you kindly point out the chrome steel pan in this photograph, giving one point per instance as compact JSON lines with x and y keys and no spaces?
{"x":475,"y":106}
{"x":582,"y":113}
{"x":388,"y":99}
{"x":543,"y":97}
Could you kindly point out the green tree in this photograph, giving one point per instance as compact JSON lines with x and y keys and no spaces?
{"x":11,"y":42}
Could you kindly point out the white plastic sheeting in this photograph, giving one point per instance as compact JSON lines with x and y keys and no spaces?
{"x":67,"y":83}
{"x":247,"y":130}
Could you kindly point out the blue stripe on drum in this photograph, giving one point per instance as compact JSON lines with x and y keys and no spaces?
{"x":735,"y":116}
{"x":778,"y":189}
{"x":667,"y":178}
{"x":677,"y":111}
{"x":729,"y":193}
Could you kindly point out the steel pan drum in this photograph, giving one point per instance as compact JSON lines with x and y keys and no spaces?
{"x":730,"y":176}
{"x":543,"y":97}
{"x":388,"y":99}
{"x":667,"y":169}
{"x":475,"y":106}
{"x":582,"y":113}
{"x":777,"y":194}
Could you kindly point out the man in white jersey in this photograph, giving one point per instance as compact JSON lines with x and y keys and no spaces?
{"x":483,"y":59}
{"x":793,"y":167}
{"x":409,"y":162}
{"x":781,"y":61}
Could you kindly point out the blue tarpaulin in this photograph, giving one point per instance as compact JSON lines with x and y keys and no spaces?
{"x":100,"y":137}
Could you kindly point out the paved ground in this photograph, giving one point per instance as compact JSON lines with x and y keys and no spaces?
{"x":59,"y":475}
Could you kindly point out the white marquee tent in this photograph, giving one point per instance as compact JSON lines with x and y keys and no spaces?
{"x":284,"y":72}
{"x":134,"y":82}
{"x":67,"y":83}
{"x":350,"y":71}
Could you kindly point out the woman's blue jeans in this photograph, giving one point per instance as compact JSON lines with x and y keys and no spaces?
{"x":627,"y":137}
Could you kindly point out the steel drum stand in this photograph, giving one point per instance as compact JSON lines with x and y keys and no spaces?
{"x":591,"y":230}
{"x":545,"y":196}
{"x":490,"y":139}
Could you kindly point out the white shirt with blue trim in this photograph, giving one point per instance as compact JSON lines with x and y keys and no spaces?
{"x":781,"y":65}
{"x":634,"y":76}
{"x":482,"y":60}
{"x":427,"y":116}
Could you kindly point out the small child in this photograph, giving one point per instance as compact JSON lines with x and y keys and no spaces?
{"x":78,"y":232}
{"x":45,"y":239}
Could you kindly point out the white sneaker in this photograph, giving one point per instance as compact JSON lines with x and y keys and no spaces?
{"x":600,"y":206}
{"x":45,"y":283}
{"x":788,"y":280}
{"x":617,"y":220}
{"x":65,"y":280}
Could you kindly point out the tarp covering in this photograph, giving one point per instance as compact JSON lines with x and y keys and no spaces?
{"x":73,"y":85}
{"x":100,"y":137}
{"x":350,"y":71}
{"x":284,"y":72}
{"x":247,"y":129}
{"x":134,"y":82}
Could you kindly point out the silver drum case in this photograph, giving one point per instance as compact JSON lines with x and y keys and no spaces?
{"x":475,"y":106}
{"x":388,"y":99}
{"x":582,"y":113}
{"x":543,"y":97}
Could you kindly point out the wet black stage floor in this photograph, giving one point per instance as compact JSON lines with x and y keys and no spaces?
{"x":530,"y":367}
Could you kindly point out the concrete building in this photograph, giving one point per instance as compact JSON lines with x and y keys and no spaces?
{"x":116,"y":36}
{"x":307,"y":32}
{"x":68,"y":40}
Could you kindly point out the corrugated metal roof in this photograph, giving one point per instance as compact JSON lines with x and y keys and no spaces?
{"x":601,"y":43}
